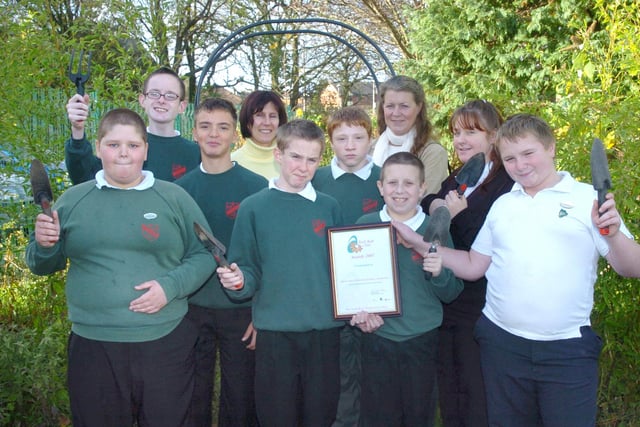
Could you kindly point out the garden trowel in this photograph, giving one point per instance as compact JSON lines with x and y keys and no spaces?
{"x":600,"y":176}
{"x":41,"y":187}
{"x":470,"y":173}
{"x":437,"y":231}
{"x":212,"y":244}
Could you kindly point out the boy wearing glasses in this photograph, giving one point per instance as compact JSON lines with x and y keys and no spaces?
{"x":170,"y":155}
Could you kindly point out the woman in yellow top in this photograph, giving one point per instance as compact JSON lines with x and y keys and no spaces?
{"x":261,"y":114}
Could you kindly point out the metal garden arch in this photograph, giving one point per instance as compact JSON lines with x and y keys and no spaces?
{"x":238,"y":36}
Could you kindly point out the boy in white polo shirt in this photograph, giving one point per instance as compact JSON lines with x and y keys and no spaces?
{"x":539,"y":247}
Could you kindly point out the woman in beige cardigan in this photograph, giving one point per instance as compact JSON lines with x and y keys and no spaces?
{"x":403,"y":126}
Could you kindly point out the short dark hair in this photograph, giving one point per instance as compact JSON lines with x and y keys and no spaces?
{"x":169,"y":71}
{"x":121,"y":116}
{"x":403,"y":158}
{"x":352,"y":116}
{"x":216,"y":104}
{"x":254,"y":103}
{"x":299,"y":128}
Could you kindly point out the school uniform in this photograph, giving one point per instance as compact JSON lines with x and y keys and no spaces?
{"x":461,"y":393}
{"x":279,"y":243}
{"x":399,"y":359}
{"x":127,"y":366}
{"x":539,"y":355}
{"x":168,"y":157}
{"x":358,"y":194}
{"x":221,"y":321}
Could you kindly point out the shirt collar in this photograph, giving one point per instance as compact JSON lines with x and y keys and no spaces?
{"x":175,"y":130}
{"x":147,"y":181}
{"x":363,"y":173}
{"x":307,"y":192}
{"x":563,"y":186}
{"x":414,"y":222}
{"x":233,"y":163}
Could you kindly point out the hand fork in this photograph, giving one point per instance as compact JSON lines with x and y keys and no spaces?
{"x":78,"y":77}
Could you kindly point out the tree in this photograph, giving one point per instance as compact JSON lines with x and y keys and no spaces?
{"x":289,"y":63}
{"x":384,"y":21}
{"x":505,"y":51}
{"x":575,"y":63}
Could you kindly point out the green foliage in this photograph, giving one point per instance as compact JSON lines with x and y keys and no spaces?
{"x":33,"y":336}
{"x":576,"y":64}
{"x":32,"y":381}
{"x":617,"y":319}
{"x":504,"y":51}
{"x":599,"y":97}
{"x":26,"y":300}
{"x":35,"y":85}
{"x":30,"y":63}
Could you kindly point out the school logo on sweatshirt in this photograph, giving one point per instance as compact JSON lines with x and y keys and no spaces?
{"x":151,"y":232}
{"x":178,"y":170}
{"x":231,"y":209}
{"x":318,"y":226}
{"x":416,"y":257}
{"x":369,"y":205}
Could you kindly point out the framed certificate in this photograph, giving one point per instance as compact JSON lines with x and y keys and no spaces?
{"x":364,"y":270}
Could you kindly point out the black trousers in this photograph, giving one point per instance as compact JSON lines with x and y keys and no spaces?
{"x":114,"y":384}
{"x":460,"y":385}
{"x":531,"y":383}
{"x":350,"y":372}
{"x":398,"y":381}
{"x":220,"y":332}
{"x":297,"y":378}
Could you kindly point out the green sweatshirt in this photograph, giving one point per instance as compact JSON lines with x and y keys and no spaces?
{"x":115,"y":240}
{"x":279,"y":241}
{"x":420,"y":299}
{"x":355,"y":195}
{"x":168,"y":158}
{"x":219,"y":196}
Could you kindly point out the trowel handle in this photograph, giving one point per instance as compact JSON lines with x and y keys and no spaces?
{"x":601,"y":199}
{"x":432,"y":249}
{"x":46,"y":207}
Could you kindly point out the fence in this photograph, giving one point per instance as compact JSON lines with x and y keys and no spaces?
{"x":41,"y":132}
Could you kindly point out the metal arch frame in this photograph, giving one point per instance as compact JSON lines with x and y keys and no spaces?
{"x":233,"y":40}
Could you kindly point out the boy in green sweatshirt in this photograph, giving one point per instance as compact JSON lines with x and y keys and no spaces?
{"x":224,"y":325}
{"x":351,"y":178}
{"x":169,"y":155}
{"x":399,"y":353}
{"x":279,"y":257}
{"x":134,"y":260}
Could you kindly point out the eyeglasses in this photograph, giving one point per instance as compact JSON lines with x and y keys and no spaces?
{"x":169,"y":96}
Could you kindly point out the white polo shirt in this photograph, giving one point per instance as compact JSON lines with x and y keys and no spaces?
{"x":544,"y":257}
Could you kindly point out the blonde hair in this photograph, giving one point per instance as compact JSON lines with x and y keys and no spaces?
{"x":423,"y":126}
{"x":520,"y":125}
